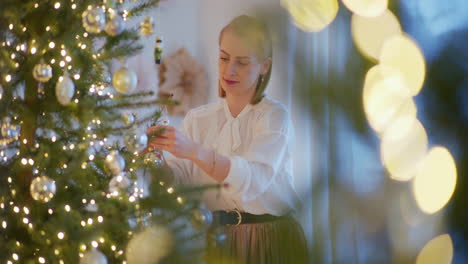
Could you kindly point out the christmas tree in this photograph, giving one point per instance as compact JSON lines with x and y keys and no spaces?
{"x":69,"y":190}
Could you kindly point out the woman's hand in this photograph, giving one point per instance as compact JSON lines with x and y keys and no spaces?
{"x":172,"y":141}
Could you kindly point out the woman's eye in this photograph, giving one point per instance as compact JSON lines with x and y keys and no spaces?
{"x":223,"y":59}
{"x":244,"y":63}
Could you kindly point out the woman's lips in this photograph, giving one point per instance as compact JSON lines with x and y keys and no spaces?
{"x":229,"y":82}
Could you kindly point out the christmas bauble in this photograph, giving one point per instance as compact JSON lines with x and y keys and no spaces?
{"x":128,"y":118}
{"x":146,"y":27}
{"x":124,"y":80}
{"x":94,"y":19}
{"x":150,"y":245}
{"x":7,"y":129}
{"x":115,"y":163}
{"x":201,"y":218}
{"x":135,"y":141}
{"x":93,"y":256}
{"x":42,"y":72}
{"x":115,"y":25}
{"x":64,"y":90}
{"x":1,"y":91}
{"x":155,"y":157}
{"x":42,"y":189}
{"x":118,"y":183}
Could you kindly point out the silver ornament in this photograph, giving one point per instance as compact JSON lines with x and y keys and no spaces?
{"x":150,"y":245}
{"x":64,"y":90}
{"x":146,"y":27}
{"x":124,"y":80}
{"x":42,"y":72}
{"x":135,"y":141}
{"x":42,"y":189}
{"x":154,"y":157}
{"x":93,"y":256}
{"x":94,"y":19}
{"x":115,"y":163}
{"x":128,"y":119}
{"x":118,"y":183}
{"x":201,"y":218}
{"x":115,"y":25}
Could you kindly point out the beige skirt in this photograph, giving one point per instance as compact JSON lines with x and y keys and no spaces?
{"x":275,"y":242}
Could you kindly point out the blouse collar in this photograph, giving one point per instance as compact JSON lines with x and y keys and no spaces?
{"x":228,"y":114}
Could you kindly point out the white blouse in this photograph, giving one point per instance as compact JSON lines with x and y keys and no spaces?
{"x":258,"y":143}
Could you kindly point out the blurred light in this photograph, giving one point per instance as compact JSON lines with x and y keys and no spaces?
{"x":41,"y":260}
{"x":403,"y":54}
{"x":439,"y":250}
{"x":436,"y":180}
{"x":60,"y":235}
{"x":403,"y":148}
{"x":8,"y":78}
{"x":386,"y":99}
{"x":57,"y":5}
{"x":366,"y":8}
{"x":311,"y":16}
{"x":33,"y":50}
{"x":51,"y":45}
{"x":370,"y":33}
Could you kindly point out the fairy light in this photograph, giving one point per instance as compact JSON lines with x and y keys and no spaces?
{"x":51,"y":45}
{"x":36,"y":5}
{"x":25,"y":220}
{"x":90,"y":221}
{"x":25,"y":141}
{"x":8,"y":78}
{"x":83,"y":223}
{"x":76,"y":76}
{"x":16,"y":209}
{"x":4,"y":224}
{"x":41,"y":260}
{"x":94,"y":244}
{"x":47,"y":28}
{"x":33,"y":50}
{"x":101,"y":240}
{"x":60,"y":235}
{"x":83,"y":46}
{"x":62,"y":64}
{"x":13,"y":56}
{"x":31,"y":162}
{"x":57,"y":5}
{"x":65,"y":166}
{"x":26,"y":210}
{"x":63,"y":52}
{"x":24,"y":161}
{"x":170,"y":190}
{"x":68,"y":58}
{"x":54,"y":138}
{"x":100,"y":219}
{"x":24,"y":29}
{"x":10,"y":26}
{"x":15,"y":256}
{"x":50,"y":211}
{"x":73,"y":6}
{"x":52,"y":61}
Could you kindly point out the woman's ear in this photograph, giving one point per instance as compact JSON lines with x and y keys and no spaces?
{"x":265,"y":66}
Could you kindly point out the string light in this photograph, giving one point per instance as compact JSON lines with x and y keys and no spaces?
{"x":57,"y":5}
{"x":51,"y":45}
{"x":47,"y":28}
{"x":8,"y":78}
{"x":73,"y":6}
{"x":60,"y":235}
{"x":10,"y":26}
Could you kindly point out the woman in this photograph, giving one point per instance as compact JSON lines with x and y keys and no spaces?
{"x":242,"y":141}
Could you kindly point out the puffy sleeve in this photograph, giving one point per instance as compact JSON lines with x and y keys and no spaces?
{"x":263,"y":174}
{"x":182,"y":167}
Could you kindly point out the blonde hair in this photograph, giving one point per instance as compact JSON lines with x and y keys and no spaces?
{"x":256,"y":35}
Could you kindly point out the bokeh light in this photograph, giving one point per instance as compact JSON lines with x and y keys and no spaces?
{"x":370,"y":33}
{"x":366,"y":8}
{"x":437,"y":251}
{"x":386,"y":98}
{"x":311,"y":15}
{"x":403,"y":148}
{"x":400,"y":53}
{"x":436,"y":180}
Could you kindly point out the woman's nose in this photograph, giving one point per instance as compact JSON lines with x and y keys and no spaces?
{"x":231,"y":69}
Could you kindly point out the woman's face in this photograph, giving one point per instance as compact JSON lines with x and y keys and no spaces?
{"x":238,"y":66}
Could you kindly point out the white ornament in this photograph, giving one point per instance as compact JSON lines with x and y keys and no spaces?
{"x":135,"y":141}
{"x":115,"y":25}
{"x":124,"y":80}
{"x":150,"y":245}
{"x":64,"y":90}
{"x":118,"y":183}
{"x":42,"y":189}
{"x":94,"y":19}
{"x":93,"y":257}
{"x":201,"y":218}
{"x":115,"y":163}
